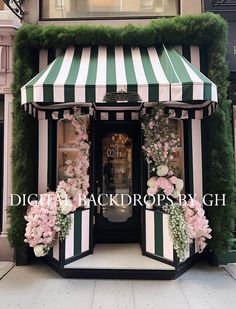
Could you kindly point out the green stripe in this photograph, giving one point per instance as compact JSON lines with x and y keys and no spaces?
{"x":50,"y":79}
{"x":207,"y":82}
{"x":90,"y":87}
{"x":185,"y":79}
{"x":129,"y":70}
{"x":153,"y":86}
{"x":167,"y":66}
{"x":77,"y":232}
{"x":158,"y":221}
{"x":111,"y":70}
{"x":30,"y":84}
{"x":69,"y":90}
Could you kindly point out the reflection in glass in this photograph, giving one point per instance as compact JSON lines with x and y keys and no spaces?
{"x":117,"y":176}
{"x":177,"y":163}
{"x":67,"y":148}
{"x":108,"y":8}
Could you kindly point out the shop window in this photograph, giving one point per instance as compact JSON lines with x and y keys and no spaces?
{"x":76,"y":9}
{"x":177,"y":164}
{"x":66,"y":147}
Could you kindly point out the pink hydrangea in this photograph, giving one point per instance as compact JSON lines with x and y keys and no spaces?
{"x":197,"y":223}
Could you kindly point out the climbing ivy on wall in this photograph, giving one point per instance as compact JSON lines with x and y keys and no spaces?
{"x":206,"y":30}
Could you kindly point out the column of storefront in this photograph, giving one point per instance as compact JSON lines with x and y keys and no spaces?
{"x":7,"y":29}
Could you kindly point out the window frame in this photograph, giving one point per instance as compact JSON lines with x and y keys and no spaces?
{"x":94,"y":18}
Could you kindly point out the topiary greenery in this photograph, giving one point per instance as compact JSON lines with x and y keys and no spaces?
{"x":206,"y":30}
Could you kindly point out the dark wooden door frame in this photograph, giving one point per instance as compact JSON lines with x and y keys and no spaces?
{"x":101,"y":128}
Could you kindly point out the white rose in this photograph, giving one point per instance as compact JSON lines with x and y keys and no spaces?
{"x":66,"y":206}
{"x":62,"y":194}
{"x":152,"y":182}
{"x":162,"y":170}
{"x":179,"y":184}
{"x":40,"y":250}
{"x":175,"y":194}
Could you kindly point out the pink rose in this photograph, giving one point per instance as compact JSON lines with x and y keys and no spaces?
{"x":173,"y":180}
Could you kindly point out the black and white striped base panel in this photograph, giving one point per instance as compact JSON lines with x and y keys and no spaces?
{"x":77,"y":240}
{"x":158,"y":241}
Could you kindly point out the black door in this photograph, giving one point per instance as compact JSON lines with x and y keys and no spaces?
{"x":118,"y":176}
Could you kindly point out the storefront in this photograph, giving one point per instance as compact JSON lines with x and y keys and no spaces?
{"x":111,"y":87}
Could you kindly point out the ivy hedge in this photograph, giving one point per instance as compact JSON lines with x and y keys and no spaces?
{"x":207,"y":30}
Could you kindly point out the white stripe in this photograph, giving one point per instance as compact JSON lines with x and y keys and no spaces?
{"x":135,"y":116}
{"x":23,"y":95}
{"x":140,"y":74}
{"x":43,"y":59}
{"x":41,"y":115}
{"x":56,"y":249}
{"x":101,"y":74}
{"x":121,"y":80}
{"x":214,"y":95}
{"x":176,"y":88}
{"x":184,"y":114}
{"x":197,"y":158}
{"x":150,"y":231}
{"x":199,"y":114}
{"x":82,"y":75}
{"x":167,"y":241}
{"x":195,"y":56}
{"x":164,"y":85}
{"x":85,"y":230}
{"x":104,"y":116}
{"x":38,"y":86}
{"x":119,"y":116}
{"x":176,"y":91}
{"x":43,"y":156}
{"x":59,"y":84}
{"x":69,"y":242}
{"x":198,"y":84}
{"x":55,"y":115}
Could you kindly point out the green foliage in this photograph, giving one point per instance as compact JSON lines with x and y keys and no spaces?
{"x":206,"y":30}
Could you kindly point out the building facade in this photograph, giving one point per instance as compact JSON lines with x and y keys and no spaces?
{"x":8,"y":27}
{"x":228,"y":11}
{"x":113,"y":87}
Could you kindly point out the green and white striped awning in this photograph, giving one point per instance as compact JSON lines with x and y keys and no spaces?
{"x":80,"y":76}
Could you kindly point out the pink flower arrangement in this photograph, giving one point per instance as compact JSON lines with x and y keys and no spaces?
{"x":41,"y":229}
{"x":197,"y":224}
{"x":169,"y":185}
{"x":78,"y":178}
{"x":48,"y":218}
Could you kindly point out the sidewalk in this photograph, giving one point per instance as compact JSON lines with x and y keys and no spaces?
{"x":37,"y":286}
